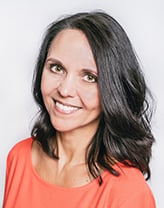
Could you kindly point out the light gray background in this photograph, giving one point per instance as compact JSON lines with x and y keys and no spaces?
{"x":22,"y":24}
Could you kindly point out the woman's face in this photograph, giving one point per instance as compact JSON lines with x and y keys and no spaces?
{"x":69,"y":83}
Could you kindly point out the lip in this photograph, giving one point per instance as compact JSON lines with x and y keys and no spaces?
{"x":65,"y":108}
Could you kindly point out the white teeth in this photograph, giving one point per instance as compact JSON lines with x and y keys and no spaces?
{"x":66,"y":109}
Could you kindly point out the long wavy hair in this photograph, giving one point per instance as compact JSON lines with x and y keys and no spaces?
{"x":124,"y":132}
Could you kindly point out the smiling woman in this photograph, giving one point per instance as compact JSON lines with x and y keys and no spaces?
{"x":91,"y":144}
{"x":68,"y":76}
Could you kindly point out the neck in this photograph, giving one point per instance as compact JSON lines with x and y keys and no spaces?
{"x":72,"y":146}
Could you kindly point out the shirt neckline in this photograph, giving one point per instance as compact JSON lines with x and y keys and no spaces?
{"x":53,"y":186}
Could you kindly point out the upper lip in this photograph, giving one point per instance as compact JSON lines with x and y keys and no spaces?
{"x":66,"y":104}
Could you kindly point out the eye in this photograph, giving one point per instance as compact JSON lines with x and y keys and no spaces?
{"x":56,"y":68}
{"x":90,"y":78}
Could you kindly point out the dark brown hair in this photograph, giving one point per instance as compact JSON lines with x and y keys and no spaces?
{"x":124,"y":133}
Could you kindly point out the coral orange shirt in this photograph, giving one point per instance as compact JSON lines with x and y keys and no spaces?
{"x":26,"y":189}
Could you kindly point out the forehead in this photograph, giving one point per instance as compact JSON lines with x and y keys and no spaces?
{"x":70,"y":33}
{"x":70,"y":37}
{"x":72,"y":45}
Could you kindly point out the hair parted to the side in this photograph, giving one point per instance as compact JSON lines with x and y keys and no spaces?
{"x":124,"y":133}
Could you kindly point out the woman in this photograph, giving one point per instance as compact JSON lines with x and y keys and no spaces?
{"x":91,"y":144}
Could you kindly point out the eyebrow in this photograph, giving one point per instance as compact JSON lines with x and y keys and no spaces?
{"x":57,"y":61}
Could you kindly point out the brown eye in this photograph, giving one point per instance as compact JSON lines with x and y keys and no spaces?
{"x":90,"y":78}
{"x":56,"y":68}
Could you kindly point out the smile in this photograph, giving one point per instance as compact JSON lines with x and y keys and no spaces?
{"x":65,"y":108}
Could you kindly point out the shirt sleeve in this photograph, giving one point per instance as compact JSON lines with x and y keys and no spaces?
{"x":7,"y":182}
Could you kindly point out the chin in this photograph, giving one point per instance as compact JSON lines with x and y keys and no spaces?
{"x":60,"y":127}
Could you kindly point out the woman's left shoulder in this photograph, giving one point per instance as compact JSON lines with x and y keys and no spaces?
{"x":130,"y":178}
{"x":131,"y":189}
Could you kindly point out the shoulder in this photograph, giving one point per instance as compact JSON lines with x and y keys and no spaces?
{"x":132,"y":178}
{"x":19,"y":149}
{"x":130,"y":188}
{"x":21,"y":146}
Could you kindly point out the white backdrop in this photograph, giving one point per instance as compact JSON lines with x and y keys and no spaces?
{"x":22,"y":24}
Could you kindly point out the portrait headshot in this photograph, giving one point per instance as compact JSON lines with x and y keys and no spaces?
{"x":81,"y":104}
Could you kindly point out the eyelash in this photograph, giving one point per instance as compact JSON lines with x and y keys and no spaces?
{"x":89,"y":75}
{"x":58,"y":68}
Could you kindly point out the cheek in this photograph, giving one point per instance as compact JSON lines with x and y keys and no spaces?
{"x":45,"y":92}
{"x":48,"y":84}
{"x":44,"y":89}
{"x":90,"y":97}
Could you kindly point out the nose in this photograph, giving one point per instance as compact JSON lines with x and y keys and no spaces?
{"x":67,"y":87}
